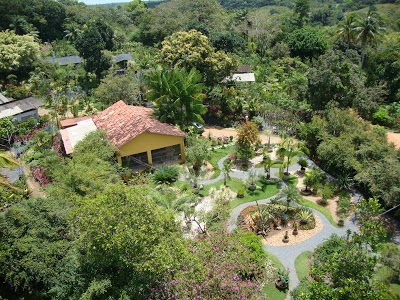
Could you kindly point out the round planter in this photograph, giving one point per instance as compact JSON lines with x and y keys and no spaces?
{"x":295,"y":232}
{"x":285,"y":240}
{"x":252,"y":187}
{"x":279,"y":284}
{"x":305,"y":193}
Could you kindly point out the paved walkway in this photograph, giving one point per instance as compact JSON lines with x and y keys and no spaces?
{"x":288,"y":254}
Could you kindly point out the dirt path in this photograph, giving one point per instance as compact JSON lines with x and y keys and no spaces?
{"x":394,"y":138}
{"x":215,"y":132}
{"x":33,"y":186}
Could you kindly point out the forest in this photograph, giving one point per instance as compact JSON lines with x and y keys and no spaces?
{"x":326,"y":87}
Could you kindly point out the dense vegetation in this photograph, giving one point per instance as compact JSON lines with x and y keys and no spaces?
{"x":327,"y":72}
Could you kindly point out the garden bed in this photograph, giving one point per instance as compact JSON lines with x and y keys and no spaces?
{"x":275,"y":236}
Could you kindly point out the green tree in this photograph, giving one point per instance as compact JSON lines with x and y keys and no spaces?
{"x":334,"y":77}
{"x":291,"y":194}
{"x":177,"y":96}
{"x":95,"y":38}
{"x":18,"y":53}
{"x":193,"y":50}
{"x":126,"y":239}
{"x":372,"y":226}
{"x":289,"y":149}
{"x":346,"y":30}
{"x":36,"y":258}
{"x":302,"y":11}
{"x":197,"y":151}
{"x":368,"y":29}
{"x":383,"y":64}
{"x":114,"y":88}
{"x":306,"y":42}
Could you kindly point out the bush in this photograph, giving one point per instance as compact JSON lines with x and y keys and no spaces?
{"x":165,"y":174}
{"x":241,"y":192}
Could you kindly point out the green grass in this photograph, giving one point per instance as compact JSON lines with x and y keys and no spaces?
{"x":216,"y":155}
{"x":270,"y":289}
{"x":321,"y":209}
{"x":264,"y":190}
{"x":302,"y":265}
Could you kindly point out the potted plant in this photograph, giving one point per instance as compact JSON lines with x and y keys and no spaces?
{"x":303,"y":164}
{"x":286,"y":237}
{"x":282,"y":282}
{"x":296,"y":228}
{"x":252,"y":176}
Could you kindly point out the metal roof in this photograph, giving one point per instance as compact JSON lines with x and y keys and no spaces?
{"x":72,"y":135}
{"x":16,"y":107}
{"x":122,"y":57}
{"x":65,"y":60}
{"x":240,"y":77}
{"x":3,"y":99}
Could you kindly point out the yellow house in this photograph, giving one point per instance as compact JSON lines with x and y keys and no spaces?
{"x":141,"y":139}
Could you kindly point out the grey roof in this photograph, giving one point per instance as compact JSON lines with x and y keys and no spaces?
{"x":3,"y":99}
{"x":244,"y":69}
{"x":16,"y":107}
{"x":122,"y":57}
{"x":65,"y":60}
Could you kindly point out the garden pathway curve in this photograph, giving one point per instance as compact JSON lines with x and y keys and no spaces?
{"x":288,"y":254}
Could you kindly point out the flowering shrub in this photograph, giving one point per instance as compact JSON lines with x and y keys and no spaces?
{"x":17,"y":91}
{"x":57,"y":147}
{"x":223,"y":267}
{"x":39,"y":175}
{"x":247,"y":139}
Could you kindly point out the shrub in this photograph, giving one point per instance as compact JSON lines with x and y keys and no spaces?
{"x":165,"y":174}
{"x":306,"y":219}
{"x":303,"y":163}
{"x":241,"y":192}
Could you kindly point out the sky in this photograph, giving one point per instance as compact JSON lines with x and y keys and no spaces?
{"x":103,"y":1}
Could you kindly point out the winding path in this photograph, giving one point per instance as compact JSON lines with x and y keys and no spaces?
{"x":288,"y":254}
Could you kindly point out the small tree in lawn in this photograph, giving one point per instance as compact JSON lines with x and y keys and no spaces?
{"x":288,"y":149}
{"x":226,"y":169}
{"x":292,"y":195}
{"x":247,"y":138}
{"x":197,"y":150}
{"x":267,"y":164}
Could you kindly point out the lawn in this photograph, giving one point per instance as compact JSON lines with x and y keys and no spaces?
{"x":264,"y":190}
{"x":216,"y":155}
{"x":302,"y":265}
{"x":272,"y":293}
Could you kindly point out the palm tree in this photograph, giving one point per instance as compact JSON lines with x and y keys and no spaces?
{"x":346,"y":29}
{"x":288,"y":149}
{"x":177,"y":96}
{"x":267,"y":164}
{"x":368,"y":30}
{"x":227,"y":169}
{"x":292,"y":195}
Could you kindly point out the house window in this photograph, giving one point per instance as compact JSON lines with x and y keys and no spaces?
{"x":135,"y":162}
{"x":166,"y":155}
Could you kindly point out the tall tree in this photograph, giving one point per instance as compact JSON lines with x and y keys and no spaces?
{"x":193,"y":50}
{"x":368,"y":29}
{"x":177,"y":96}
{"x":18,"y":53}
{"x":97,"y":37}
{"x":346,"y":30}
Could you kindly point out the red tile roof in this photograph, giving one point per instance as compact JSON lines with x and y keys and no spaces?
{"x":122,"y":123}
{"x":72,"y":122}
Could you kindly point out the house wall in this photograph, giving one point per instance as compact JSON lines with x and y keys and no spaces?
{"x":22,"y":117}
{"x":150,"y":141}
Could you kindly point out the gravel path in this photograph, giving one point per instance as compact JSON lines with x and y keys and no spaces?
{"x":288,"y":254}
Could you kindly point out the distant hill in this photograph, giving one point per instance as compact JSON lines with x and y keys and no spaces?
{"x":390,"y":13}
{"x":150,"y":3}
